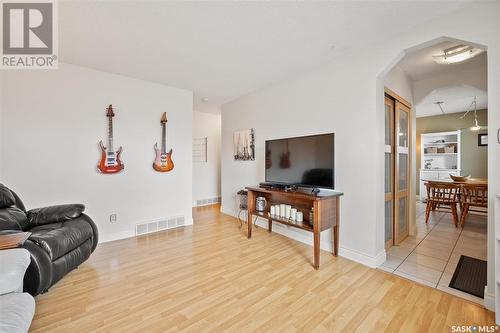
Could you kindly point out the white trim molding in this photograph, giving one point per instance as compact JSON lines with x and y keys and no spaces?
{"x":116,"y":236}
{"x":306,"y":238}
{"x":130,"y":233}
{"x":228,"y":211}
{"x":489,"y":299}
{"x":370,"y":261}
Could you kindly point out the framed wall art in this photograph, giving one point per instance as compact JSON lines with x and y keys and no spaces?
{"x":244,"y":145}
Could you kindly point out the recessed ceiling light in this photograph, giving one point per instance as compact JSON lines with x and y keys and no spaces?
{"x":457,"y":54}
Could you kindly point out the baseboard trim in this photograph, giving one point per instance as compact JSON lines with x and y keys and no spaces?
{"x":489,"y":300}
{"x":294,"y":233}
{"x":129,"y":234}
{"x":206,"y":202}
{"x":116,"y":236}
{"x":228,"y":211}
{"x":370,"y":261}
{"x":306,"y":238}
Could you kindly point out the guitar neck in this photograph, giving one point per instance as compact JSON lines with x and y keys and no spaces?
{"x":110,"y":134}
{"x":163,"y":138}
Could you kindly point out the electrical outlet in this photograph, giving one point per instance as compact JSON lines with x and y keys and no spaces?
{"x":113,"y":218}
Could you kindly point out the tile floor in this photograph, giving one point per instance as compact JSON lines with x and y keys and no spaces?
{"x":431,"y":255}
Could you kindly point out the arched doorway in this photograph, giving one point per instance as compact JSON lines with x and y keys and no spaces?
{"x":422,"y":256}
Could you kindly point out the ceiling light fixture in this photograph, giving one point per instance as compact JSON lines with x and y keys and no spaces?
{"x":472,"y":107}
{"x":476,"y":126}
{"x":457,"y":54}
{"x":439,"y":103}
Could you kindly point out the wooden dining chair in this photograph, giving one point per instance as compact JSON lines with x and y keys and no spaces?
{"x":475,"y":196}
{"x":442,"y":194}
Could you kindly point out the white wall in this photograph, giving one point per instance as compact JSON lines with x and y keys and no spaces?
{"x":346,"y":97}
{"x":398,"y":81}
{"x":206,"y":176}
{"x":1,"y":128}
{"x":53,"y":121}
{"x":324,"y":101}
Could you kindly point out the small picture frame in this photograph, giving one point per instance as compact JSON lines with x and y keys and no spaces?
{"x":482,"y":139}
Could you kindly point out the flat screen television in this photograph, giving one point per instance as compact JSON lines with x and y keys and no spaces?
{"x":306,"y":161}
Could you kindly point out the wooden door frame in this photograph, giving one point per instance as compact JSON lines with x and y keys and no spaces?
{"x":397,"y":98}
{"x":390,"y":195}
{"x":394,"y":156}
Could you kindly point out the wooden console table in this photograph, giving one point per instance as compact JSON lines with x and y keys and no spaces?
{"x":326,"y":213}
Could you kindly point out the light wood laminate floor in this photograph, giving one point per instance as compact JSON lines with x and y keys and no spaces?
{"x":210,"y":278}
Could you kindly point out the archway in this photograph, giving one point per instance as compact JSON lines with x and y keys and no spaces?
{"x":413,"y":186}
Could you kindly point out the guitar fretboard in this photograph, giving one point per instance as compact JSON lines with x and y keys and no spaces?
{"x":110,"y":134}
{"x":163,"y":139}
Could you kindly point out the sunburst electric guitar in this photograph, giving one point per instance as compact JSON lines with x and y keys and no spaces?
{"x":110,"y":159}
{"x":163,"y":161}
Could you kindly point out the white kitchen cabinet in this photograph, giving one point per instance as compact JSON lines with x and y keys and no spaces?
{"x":440,"y":157}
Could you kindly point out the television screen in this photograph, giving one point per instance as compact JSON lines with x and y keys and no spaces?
{"x":302,"y":161}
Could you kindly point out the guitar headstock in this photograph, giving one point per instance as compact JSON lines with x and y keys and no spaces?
{"x":109,"y":111}
{"x":163,"y":118}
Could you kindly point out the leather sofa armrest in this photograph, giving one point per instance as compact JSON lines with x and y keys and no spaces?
{"x":39,"y":273}
{"x":94,"y":229}
{"x":54,"y":214}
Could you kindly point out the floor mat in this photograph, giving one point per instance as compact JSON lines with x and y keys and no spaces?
{"x":470,"y":276}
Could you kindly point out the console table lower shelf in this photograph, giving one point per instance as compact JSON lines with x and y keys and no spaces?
{"x":326,"y":213}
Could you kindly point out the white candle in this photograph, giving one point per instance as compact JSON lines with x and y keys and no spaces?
{"x":288,"y":209}
{"x":300,"y":216}
{"x":282,"y":210}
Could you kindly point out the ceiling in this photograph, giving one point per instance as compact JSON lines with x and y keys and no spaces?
{"x":420,"y":64}
{"x":223,"y":50}
{"x":455,"y":99}
{"x":455,"y":84}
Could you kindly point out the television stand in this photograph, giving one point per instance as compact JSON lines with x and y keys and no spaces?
{"x":326,"y":213}
{"x":274,"y":186}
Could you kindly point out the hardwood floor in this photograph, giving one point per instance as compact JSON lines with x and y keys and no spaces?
{"x":210,"y":278}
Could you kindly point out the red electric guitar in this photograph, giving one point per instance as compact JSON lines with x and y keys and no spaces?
{"x":110,"y":160}
{"x":163,"y":160}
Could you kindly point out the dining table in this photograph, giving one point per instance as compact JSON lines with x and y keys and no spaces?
{"x":469,"y":181}
{"x":474,"y":181}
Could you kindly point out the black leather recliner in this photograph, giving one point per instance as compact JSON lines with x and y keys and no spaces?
{"x":62,"y":238}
